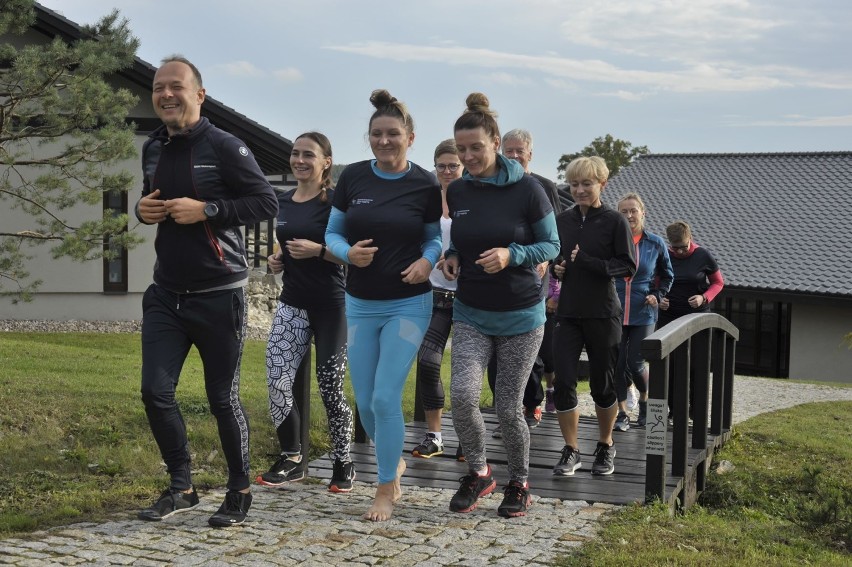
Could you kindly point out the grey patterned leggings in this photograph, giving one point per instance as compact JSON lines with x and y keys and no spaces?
{"x":289,"y":341}
{"x":515,"y":356}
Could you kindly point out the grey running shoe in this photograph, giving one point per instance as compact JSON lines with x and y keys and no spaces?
{"x":170,"y":502}
{"x":622,"y":422}
{"x":283,"y":471}
{"x":604,"y":459}
{"x":568,"y":462}
{"x":233,"y":510}
{"x":497,"y":433}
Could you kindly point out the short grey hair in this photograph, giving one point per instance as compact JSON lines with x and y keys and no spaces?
{"x":519,"y":134}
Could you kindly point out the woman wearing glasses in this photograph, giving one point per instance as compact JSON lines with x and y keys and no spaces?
{"x":697,"y":280}
{"x":429,"y":385}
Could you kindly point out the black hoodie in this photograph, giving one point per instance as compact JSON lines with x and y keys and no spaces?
{"x":207,"y":164}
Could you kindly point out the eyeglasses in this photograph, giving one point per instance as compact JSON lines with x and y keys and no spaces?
{"x":451,"y":167}
{"x":681,"y":248}
{"x":512,"y":152}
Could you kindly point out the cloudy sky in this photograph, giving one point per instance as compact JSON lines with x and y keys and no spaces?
{"x":680,"y":76}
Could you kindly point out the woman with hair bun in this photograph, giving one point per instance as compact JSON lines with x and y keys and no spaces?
{"x":384,"y":224}
{"x":310,"y":306}
{"x":503,"y":227}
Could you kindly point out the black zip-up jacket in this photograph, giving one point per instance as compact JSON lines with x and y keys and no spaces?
{"x":207,"y":164}
{"x":606,"y":252}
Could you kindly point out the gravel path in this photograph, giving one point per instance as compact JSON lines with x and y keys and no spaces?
{"x":307,"y":525}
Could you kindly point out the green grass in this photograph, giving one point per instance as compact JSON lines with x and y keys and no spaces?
{"x":787,"y":502}
{"x":74,"y":440}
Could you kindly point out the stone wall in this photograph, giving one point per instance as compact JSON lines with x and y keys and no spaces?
{"x":263,"y":291}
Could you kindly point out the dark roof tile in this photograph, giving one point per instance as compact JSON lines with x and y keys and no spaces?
{"x":774,"y":221}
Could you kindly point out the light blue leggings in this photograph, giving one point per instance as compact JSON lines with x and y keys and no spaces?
{"x":384,"y":337}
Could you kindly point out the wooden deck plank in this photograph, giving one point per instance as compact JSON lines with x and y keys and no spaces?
{"x":626,"y":485}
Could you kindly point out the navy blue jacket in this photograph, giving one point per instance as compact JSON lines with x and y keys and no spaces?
{"x":207,"y":164}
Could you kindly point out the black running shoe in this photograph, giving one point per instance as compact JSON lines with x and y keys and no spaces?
{"x":233,"y":510}
{"x":170,"y":502}
{"x":283,"y":471}
{"x":604,"y":459}
{"x":471,"y":489}
{"x":516,"y":500}
{"x":342,"y":475}
{"x":568,"y":462}
{"x":430,"y":447}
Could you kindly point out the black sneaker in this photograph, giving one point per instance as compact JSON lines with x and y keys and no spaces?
{"x":283,"y":471}
{"x":460,"y":454}
{"x":472,"y":488}
{"x":568,"y":462}
{"x":170,"y":502}
{"x":622,"y":422}
{"x":429,"y":447}
{"x":233,"y":510}
{"x":643,"y":414}
{"x":516,"y":500}
{"x":342,"y":475}
{"x":604,"y":459}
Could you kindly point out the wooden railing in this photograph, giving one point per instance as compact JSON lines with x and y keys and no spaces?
{"x":260,"y":240}
{"x":703,"y":344}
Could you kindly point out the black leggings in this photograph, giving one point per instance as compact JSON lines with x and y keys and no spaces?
{"x":601,"y":338}
{"x":289,"y":341}
{"x":215,"y":322}
{"x":431,"y":354}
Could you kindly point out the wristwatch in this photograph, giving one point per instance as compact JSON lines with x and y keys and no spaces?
{"x":211,"y":210}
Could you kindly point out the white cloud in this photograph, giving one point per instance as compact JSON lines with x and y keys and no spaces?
{"x":502,"y":78}
{"x":684,"y":30}
{"x":703,"y":77}
{"x":289,"y":75}
{"x":843,"y":121}
{"x":240,"y":69}
{"x":626,"y":95}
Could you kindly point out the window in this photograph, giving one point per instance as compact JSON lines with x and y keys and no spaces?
{"x":115,"y":267}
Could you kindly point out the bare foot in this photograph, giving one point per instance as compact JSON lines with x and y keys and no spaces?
{"x":397,"y":485}
{"x":382,"y":507}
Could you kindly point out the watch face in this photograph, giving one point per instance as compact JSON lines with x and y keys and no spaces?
{"x":211,"y":210}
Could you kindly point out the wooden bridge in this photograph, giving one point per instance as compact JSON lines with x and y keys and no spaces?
{"x":665,"y":461}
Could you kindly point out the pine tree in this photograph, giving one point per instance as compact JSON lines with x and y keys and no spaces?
{"x":63,"y":130}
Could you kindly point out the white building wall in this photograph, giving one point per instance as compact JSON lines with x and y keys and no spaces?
{"x":817,"y":351}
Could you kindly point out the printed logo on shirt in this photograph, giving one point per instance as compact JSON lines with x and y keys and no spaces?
{"x":460,"y":213}
{"x":243,"y":151}
{"x":204,"y":166}
{"x":356,"y":202}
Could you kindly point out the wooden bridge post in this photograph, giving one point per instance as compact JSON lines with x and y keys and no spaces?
{"x":302,"y":398}
{"x":730,"y":360}
{"x":680,"y":408}
{"x":656,"y":462}
{"x":701,"y":364}
{"x":718,"y":363}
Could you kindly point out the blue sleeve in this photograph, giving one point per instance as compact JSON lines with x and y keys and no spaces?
{"x":545,"y":247}
{"x":432,"y":242}
{"x":335,"y":235}
{"x":664,"y":272}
